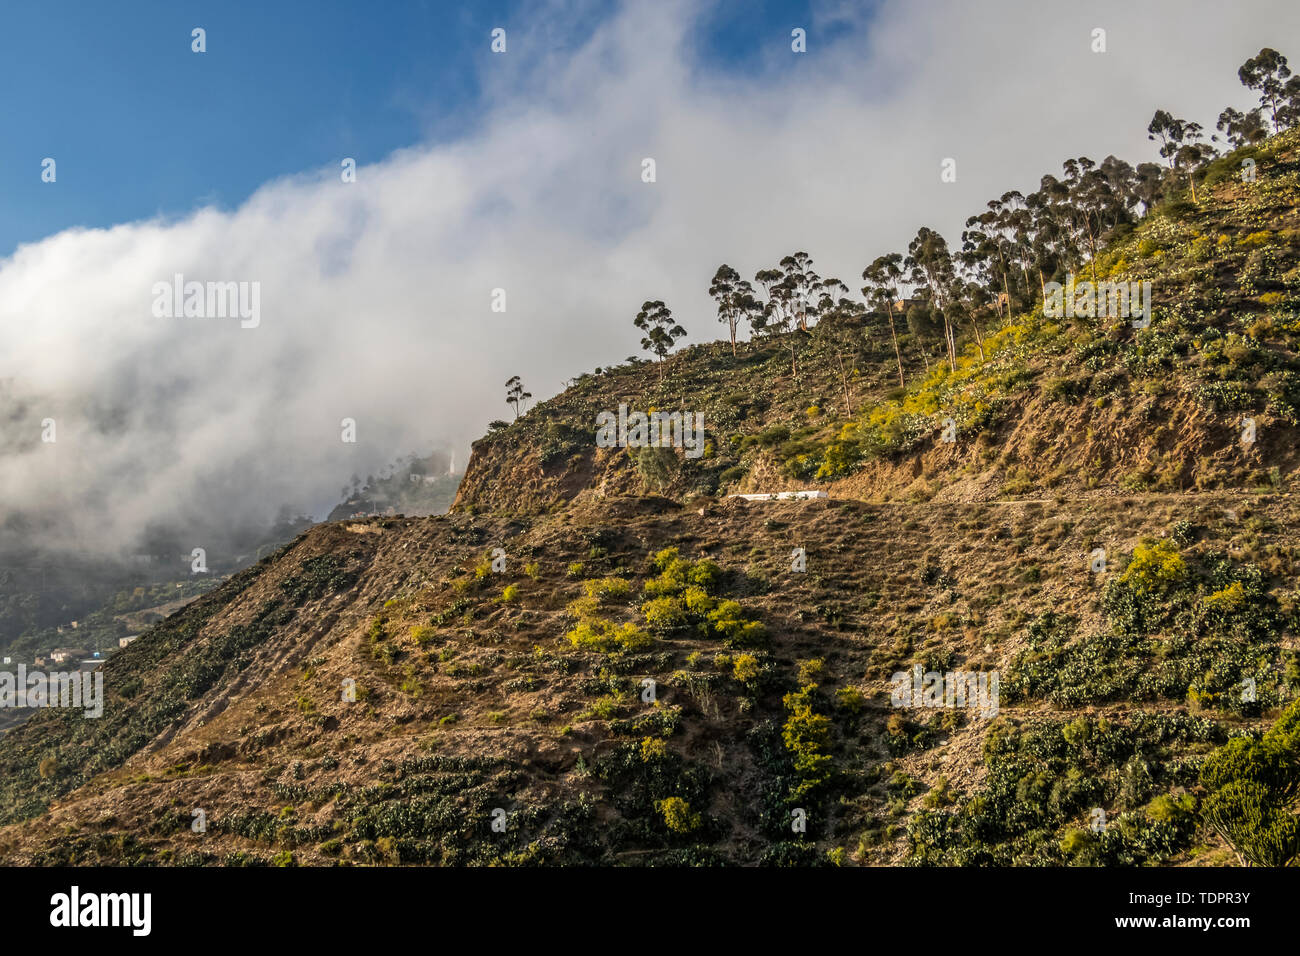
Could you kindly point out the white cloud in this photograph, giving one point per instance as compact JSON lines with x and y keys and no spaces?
{"x":375,"y":295}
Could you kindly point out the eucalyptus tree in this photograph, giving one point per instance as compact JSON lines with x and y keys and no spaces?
{"x":1063,"y":199}
{"x":735,"y":298}
{"x":779,"y":314}
{"x":1268,"y":73}
{"x":985,"y":249}
{"x":929,"y":264}
{"x":515,"y":394}
{"x":1095,"y":203}
{"x":661,"y":331}
{"x":831,"y":304}
{"x":1242,"y":129}
{"x":1012,"y":221}
{"x":1122,"y":179}
{"x":1147,"y":185}
{"x":1020,"y":219}
{"x":1056,"y":224}
{"x":881,"y":291}
{"x":1048,"y":240}
{"x":1081,"y":207}
{"x":920,"y":322}
{"x":801,"y":281}
{"x":1179,"y":143}
{"x":778,"y":291}
{"x":830,"y":299}
{"x":1289,"y":114}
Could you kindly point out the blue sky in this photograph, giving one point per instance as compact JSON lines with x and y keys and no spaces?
{"x":141,"y":126}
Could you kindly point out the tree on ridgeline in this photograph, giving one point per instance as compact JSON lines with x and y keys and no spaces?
{"x":881,"y":291}
{"x":779,"y":296}
{"x":1094,"y":205}
{"x":735,"y":298}
{"x":1242,"y":129}
{"x":1147,"y":185}
{"x":800,"y":281}
{"x":1180,"y":144}
{"x":1008,"y":227}
{"x":985,"y":251}
{"x":930,"y":266}
{"x":780,"y":312}
{"x":1268,"y":73}
{"x":1046,"y":237}
{"x":830,"y":300}
{"x":656,"y":320}
{"x":515,"y":394}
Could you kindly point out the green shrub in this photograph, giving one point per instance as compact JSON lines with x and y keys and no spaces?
{"x":1254,"y":785}
{"x":653,"y":748}
{"x":1155,"y":565}
{"x":607,"y":637}
{"x":806,"y":735}
{"x":745,"y":668}
{"x":733,"y":624}
{"x":677,"y":815}
{"x":665,"y":614}
{"x":607,"y":589}
{"x":850,"y":700}
{"x":603,"y":708}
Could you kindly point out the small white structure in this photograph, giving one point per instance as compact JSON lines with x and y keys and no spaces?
{"x":123,"y":641}
{"x":782,"y":496}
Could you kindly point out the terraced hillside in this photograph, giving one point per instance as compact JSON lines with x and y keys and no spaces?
{"x":598,"y":657}
{"x":772,"y":690}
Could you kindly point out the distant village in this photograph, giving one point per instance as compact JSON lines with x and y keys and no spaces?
{"x":71,"y":655}
{"x":413,"y":485}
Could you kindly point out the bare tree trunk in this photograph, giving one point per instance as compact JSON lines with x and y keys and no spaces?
{"x":844,"y":382}
{"x":897,"y":353}
{"x":1092,"y":260}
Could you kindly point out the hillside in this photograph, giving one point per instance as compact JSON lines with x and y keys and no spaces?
{"x":469,"y":700}
{"x":1072,"y":406}
{"x":481,"y":688}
